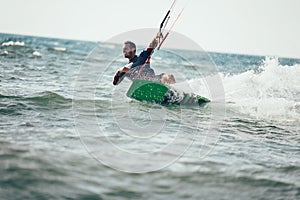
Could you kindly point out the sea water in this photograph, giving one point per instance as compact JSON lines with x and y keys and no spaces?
{"x":66,"y":132}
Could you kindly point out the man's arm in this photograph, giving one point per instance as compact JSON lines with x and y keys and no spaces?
{"x":148,"y":52}
{"x":121,"y":73}
{"x":153,"y":44}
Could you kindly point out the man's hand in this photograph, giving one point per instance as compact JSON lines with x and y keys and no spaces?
{"x":124,"y":69}
{"x":156,"y":40}
{"x":121,"y":72}
{"x":159,"y":35}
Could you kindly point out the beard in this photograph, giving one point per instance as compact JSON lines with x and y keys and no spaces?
{"x":129,"y":55}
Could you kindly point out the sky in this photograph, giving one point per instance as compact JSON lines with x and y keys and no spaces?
{"x":258,"y":27}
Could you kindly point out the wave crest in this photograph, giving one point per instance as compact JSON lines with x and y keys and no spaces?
{"x":46,"y":100}
{"x":270,"y":92}
{"x":13,"y":43}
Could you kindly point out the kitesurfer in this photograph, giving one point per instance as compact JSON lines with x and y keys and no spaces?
{"x":139,"y":66}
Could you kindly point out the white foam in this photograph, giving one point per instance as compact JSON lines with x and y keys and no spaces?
{"x":12,"y":43}
{"x":272,"y":92}
{"x":59,"y":48}
{"x":4,"y":52}
{"x":37,"y":54}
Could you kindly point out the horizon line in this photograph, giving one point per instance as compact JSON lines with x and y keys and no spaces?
{"x":208,"y":51}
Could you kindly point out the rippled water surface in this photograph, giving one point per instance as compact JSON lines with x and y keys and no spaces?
{"x":66,"y":132}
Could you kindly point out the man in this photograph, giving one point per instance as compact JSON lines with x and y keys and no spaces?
{"x":139,"y":66}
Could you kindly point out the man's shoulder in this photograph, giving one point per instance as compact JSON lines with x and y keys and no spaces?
{"x":146,"y":53}
{"x":134,"y":59}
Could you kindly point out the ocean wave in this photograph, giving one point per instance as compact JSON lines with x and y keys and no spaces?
{"x":49,"y":100}
{"x":46,"y":100}
{"x":270,"y":92}
{"x":13,"y":108}
{"x":18,"y":50}
{"x":36,"y":54}
{"x":63,"y":49}
{"x":13,"y":43}
{"x":3,"y":53}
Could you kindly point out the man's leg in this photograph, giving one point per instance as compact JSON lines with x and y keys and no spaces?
{"x":167,"y":79}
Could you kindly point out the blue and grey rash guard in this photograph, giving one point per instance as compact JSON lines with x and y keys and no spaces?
{"x":139,"y":69}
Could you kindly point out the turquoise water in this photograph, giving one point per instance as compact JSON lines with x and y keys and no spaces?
{"x":67,"y":133}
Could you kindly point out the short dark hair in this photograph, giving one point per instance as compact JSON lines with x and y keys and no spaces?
{"x":131,"y":44}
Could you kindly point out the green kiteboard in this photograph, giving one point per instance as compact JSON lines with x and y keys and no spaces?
{"x":143,"y":90}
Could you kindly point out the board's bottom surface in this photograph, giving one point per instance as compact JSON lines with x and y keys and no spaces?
{"x":143,"y":90}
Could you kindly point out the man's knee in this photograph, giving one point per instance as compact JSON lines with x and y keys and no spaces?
{"x":168,"y":79}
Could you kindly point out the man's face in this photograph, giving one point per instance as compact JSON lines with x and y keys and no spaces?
{"x":127,"y":51}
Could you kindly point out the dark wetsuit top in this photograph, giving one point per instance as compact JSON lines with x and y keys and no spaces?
{"x":139,"y":69}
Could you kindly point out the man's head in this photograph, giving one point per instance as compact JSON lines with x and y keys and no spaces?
{"x":129,"y":49}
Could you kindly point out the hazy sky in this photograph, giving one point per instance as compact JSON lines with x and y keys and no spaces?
{"x":262,"y":27}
